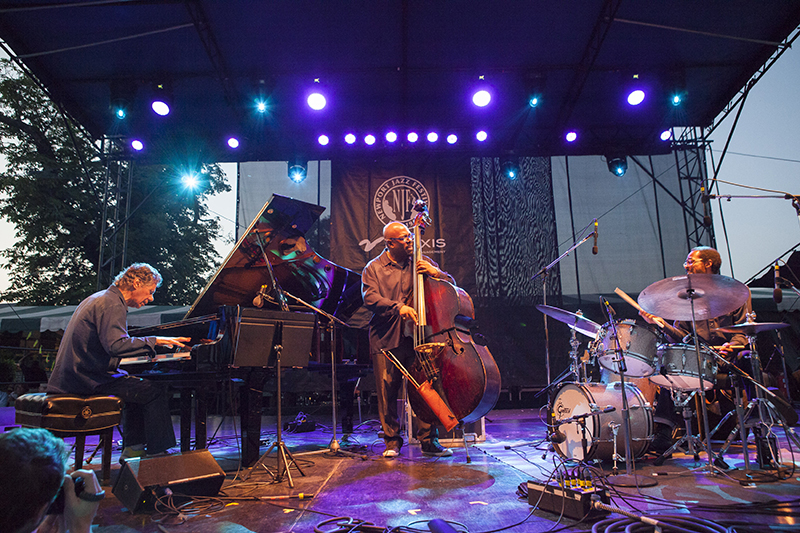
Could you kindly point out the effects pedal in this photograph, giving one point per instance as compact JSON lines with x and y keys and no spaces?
{"x":576,"y":503}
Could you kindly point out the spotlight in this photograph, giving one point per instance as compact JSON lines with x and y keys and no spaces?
{"x":323,"y":140}
{"x":571,"y":136}
{"x":433,"y":137}
{"x":510,"y":167}
{"x":137,"y":145}
{"x":190,"y":181}
{"x":297,"y":173}
{"x":617,"y":165}
{"x":316,"y":99}
{"x":534,"y":101}
{"x":534,"y":84}
{"x":261,"y":106}
{"x":666,"y":135}
{"x":452,"y":138}
{"x":369,"y":139}
{"x":481,"y":136}
{"x":122,"y":94}
{"x":391,"y":137}
{"x":233,"y":142}
{"x":636,"y":94}
{"x":481,"y":95}
{"x":413,"y":137}
{"x":677,"y":99}
{"x":262,"y":93}
{"x":162,"y":99}
{"x":350,"y":138}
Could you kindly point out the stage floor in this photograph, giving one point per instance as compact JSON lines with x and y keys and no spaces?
{"x":476,"y":495}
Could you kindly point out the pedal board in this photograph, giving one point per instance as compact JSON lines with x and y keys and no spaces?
{"x":576,"y":503}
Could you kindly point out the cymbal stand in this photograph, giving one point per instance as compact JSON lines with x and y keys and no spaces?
{"x":712,"y":459}
{"x":629,"y":478}
{"x":333,"y":446}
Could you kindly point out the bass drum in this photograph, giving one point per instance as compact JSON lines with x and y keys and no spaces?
{"x":580,"y":398}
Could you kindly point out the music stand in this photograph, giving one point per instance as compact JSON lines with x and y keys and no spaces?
{"x":293,"y":330}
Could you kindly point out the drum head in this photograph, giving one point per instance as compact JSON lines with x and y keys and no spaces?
{"x":575,"y":399}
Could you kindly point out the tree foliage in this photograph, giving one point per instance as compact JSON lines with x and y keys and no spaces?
{"x":52,"y":189}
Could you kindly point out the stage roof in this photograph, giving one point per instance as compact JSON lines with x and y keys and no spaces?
{"x":394,"y":64}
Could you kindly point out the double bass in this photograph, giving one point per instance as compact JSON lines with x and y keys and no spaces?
{"x":454,"y":378}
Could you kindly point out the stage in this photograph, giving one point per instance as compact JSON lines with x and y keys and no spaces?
{"x":409,"y":491}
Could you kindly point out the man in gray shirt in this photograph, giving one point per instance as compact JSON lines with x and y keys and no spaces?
{"x":93,"y":343}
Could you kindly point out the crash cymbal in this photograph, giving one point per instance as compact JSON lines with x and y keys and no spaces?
{"x":713,"y":295}
{"x":576,"y":322}
{"x":751,"y":328}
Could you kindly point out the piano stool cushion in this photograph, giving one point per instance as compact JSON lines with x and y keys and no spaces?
{"x":67,"y":413}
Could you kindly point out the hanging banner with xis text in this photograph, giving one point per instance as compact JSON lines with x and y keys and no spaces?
{"x":368,"y":194}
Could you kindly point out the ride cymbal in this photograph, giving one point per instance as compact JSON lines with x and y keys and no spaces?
{"x":576,"y":322}
{"x":713,"y":295}
{"x":751,"y":328}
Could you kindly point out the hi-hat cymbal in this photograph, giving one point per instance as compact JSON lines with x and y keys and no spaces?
{"x":713,"y":295}
{"x":751,"y":328}
{"x":576,"y":322}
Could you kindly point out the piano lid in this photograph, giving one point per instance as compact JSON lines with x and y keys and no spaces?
{"x":280,"y":229}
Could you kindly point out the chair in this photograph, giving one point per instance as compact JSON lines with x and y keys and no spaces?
{"x":69,"y":415}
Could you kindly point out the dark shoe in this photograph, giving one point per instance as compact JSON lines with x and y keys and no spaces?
{"x":130,"y":453}
{"x":662,"y":439}
{"x":434,"y":449}
{"x":392,"y":448}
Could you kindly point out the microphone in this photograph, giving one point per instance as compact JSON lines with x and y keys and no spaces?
{"x":594,"y":248}
{"x":608,"y":305}
{"x":609,"y":409}
{"x":557,"y":437}
{"x":258,"y":301}
{"x":777,"y":293}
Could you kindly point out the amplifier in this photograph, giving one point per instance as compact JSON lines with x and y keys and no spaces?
{"x":576,"y":503}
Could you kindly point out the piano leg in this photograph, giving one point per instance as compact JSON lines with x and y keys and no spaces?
{"x":186,"y":418}
{"x":250,"y":415}
{"x":200,"y":419}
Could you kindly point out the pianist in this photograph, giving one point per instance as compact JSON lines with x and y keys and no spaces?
{"x":94,"y":341}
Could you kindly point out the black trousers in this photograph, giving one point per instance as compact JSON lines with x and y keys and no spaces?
{"x":388,"y":383}
{"x":145,"y":417}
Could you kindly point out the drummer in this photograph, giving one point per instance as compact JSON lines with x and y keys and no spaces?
{"x":701,"y":260}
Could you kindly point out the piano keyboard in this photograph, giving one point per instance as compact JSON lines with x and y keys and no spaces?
{"x":159,"y":358}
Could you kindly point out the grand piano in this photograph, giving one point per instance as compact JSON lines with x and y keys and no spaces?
{"x":233,"y":322}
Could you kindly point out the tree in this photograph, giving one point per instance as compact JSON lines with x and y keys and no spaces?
{"x":52,"y":187}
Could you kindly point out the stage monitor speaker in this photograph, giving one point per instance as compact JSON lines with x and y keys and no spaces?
{"x":256,"y":337}
{"x":142,"y":481}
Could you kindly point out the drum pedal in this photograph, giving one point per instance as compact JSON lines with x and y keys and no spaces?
{"x":575,"y":502}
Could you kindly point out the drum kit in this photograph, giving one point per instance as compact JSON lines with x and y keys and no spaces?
{"x":584,"y":416}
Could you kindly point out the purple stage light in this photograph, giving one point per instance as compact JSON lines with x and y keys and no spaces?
{"x":572,"y":136}
{"x":481,"y":136}
{"x":433,"y":137}
{"x":413,"y":137}
{"x":350,"y":138}
{"x":323,"y":140}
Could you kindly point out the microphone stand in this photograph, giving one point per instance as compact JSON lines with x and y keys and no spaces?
{"x":543,"y":272}
{"x":629,"y":478}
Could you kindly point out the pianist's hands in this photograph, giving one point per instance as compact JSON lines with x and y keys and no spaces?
{"x":173,"y":341}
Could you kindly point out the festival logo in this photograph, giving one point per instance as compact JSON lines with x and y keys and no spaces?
{"x":394,"y":200}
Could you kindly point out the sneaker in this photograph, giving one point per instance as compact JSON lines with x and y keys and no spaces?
{"x":392,"y":448}
{"x":434,"y":449}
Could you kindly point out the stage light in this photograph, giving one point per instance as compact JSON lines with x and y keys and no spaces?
{"x":190,"y":181}
{"x":162,"y":99}
{"x":350,"y":138}
{"x":534,"y":84}
{"x":510,"y":167}
{"x":323,"y":140}
{"x":452,"y":139}
{"x":636,"y":97}
{"x":481,"y":136}
{"x":677,"y":99}
{"x":369,"y":139}
{"x":413,"y":137}
{"x":481,"y":98}
{"x":617,"y":165}
{"x":666,"y":135}
{"x":297,"y":173}
{"x":233,"y":142}
{"x":122,"y":94}
{"x":261,"y":106}
{"x":316,"y":99}
{"x":571,"y":136}
{"x":534,"y":101}
{"x":433,"y":137}
{"x":137,"y":145}
{"x":391,"y":137}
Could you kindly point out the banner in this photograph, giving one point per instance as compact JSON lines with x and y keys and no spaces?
{"x":367,"y":194}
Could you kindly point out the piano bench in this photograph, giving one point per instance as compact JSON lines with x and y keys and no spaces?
{"x":68,"y":415}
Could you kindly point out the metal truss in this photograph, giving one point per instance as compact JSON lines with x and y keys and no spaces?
{"x":690,"y":160}
{"x":116,"y":207}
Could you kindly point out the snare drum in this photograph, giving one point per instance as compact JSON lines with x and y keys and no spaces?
{"x":677,"y":368}
{"x":638,"y":343}
{"x":580,"y":398}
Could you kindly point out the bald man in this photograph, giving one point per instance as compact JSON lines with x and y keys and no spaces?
{"x":387,"y":286}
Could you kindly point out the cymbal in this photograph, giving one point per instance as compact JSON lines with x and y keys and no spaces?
{"x":576,"y":322}
{"x":713,"y":295}
{"x":751,"y":328}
